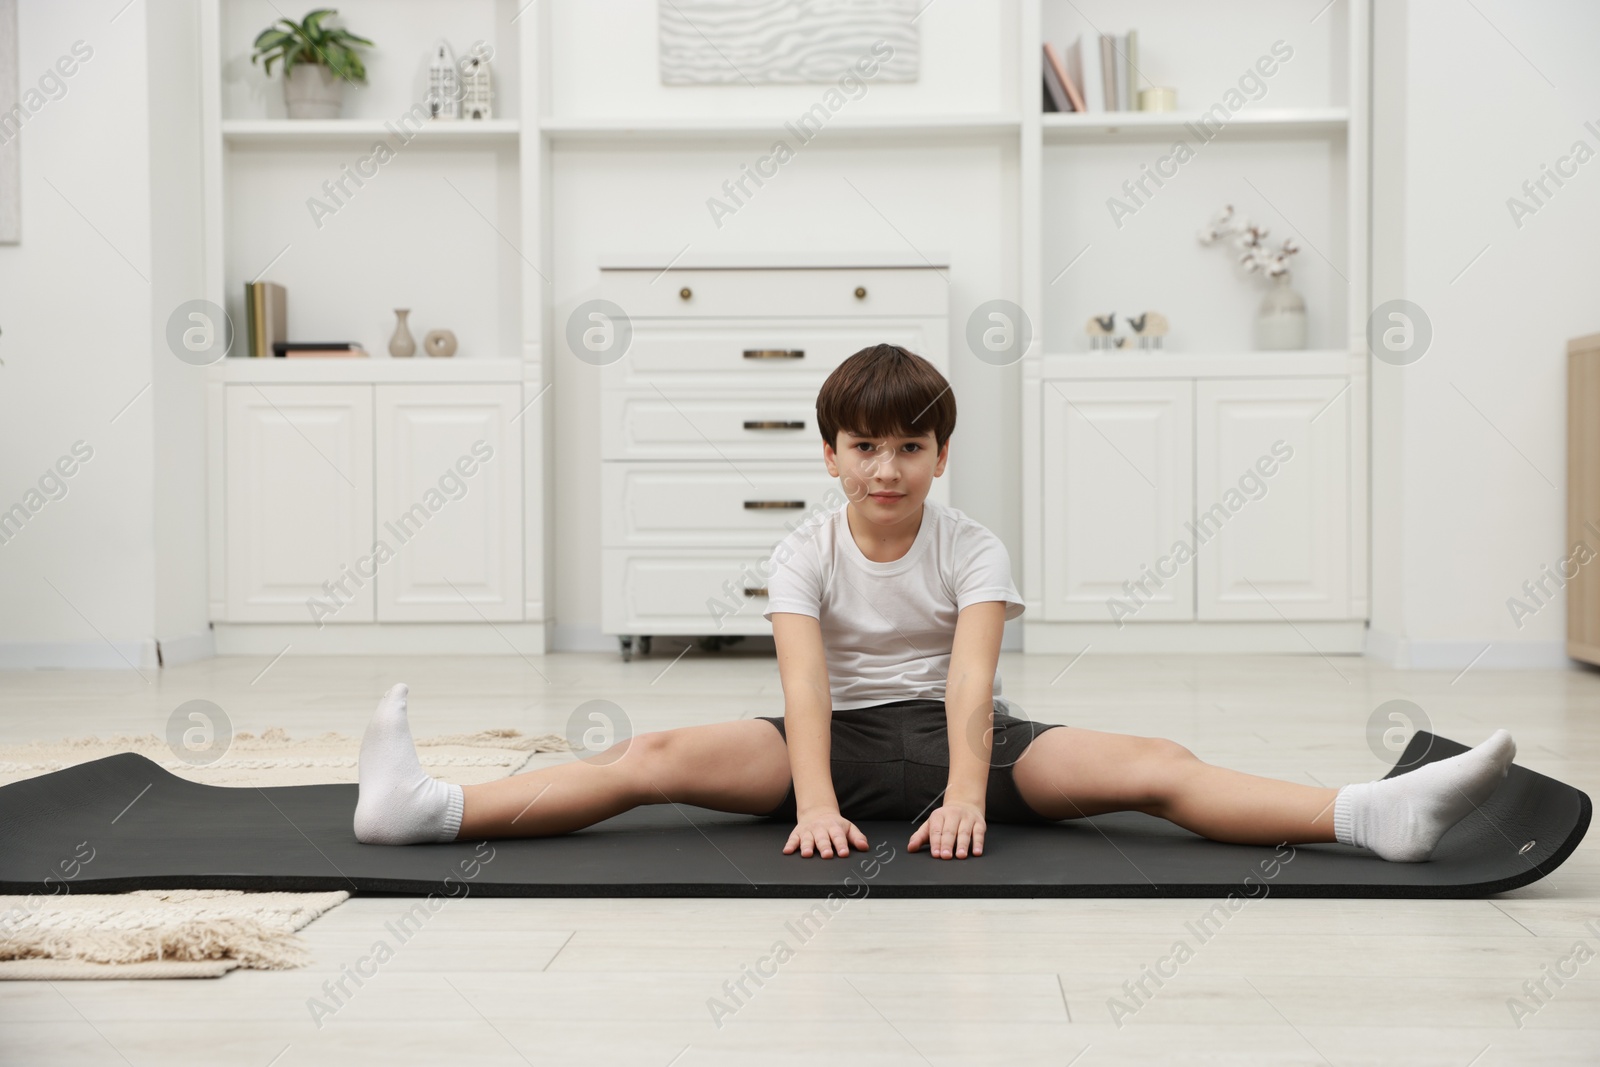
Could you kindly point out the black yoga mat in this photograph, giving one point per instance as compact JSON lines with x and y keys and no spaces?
{"x":123,"y":823}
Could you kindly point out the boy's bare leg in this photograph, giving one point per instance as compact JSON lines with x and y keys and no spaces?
{"x":1071,"y":772}
{"x":740,"y":766}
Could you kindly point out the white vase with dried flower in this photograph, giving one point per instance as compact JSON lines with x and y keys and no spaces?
{"x":1281,"y":318}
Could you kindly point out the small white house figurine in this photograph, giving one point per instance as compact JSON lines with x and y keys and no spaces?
{"x":477,"y":86}
{"x":444,"y":84}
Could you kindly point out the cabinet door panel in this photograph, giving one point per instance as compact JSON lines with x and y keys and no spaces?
{"x":299,"y":503}
{"x":1118,"y":493}
{"x":449,"y":503}
{"x":1278,"y":543}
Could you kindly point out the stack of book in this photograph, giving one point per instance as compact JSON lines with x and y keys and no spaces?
{"x":266,"y":312}
{"x":1096,"y":73}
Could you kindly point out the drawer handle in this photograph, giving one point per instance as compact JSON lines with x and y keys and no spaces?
{"x":861,"y":292}
{"x":774,"y":353}
{"x":774,"y":424}
{"x":685,"y":293}
{"x":753,"y":505}
{"x":755,"y":590}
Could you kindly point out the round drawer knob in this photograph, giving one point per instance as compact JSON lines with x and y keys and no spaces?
{"x":685,"y":293}
{"x":861,"y":292}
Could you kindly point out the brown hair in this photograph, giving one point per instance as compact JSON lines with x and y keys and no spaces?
{"x":886,"y":391}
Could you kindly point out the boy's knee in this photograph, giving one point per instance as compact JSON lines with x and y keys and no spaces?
{"x":1169,"y":751}
{"x":647,"y":760}
{"x":1163,"y":764}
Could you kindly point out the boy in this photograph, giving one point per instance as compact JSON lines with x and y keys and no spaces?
{"x":887,"y":615}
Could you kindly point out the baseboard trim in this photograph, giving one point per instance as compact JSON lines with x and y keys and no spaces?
{"x":1342,"y":637}
{"x":567,"y":637}
{"x":79,"y":655}
{"x":186,"y":648}
{"x":1403,"y":654}
{"x":381,"y":639}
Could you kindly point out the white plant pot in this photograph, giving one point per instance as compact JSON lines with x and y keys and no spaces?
{"x":312,"y":91}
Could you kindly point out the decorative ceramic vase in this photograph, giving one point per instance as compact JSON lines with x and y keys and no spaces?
{"x":312,"y":91}
{"x":401,"y":344}
{"x":1281,"y":320}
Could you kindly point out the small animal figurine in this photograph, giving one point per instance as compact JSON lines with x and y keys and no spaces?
{"x":1100,"y":332}
{"x":1149,"y":329}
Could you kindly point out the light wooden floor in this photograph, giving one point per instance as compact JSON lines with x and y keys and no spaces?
{"x":584,"y":981}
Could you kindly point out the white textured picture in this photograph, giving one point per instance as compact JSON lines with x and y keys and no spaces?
{"x":756,"y":42}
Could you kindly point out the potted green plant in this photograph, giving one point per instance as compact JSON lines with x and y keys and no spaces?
{"x":317,"y":60}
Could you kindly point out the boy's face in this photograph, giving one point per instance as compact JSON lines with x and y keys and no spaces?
{"x":886,"y":478}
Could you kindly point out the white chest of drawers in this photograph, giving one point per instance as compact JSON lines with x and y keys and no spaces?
{"x":710,"y":452}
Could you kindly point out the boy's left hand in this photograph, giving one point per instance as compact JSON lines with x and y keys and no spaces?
{"x":950,"y":829}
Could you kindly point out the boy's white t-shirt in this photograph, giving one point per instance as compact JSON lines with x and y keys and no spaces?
{"x":887,"y":628}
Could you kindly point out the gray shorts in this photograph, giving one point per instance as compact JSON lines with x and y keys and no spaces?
{"x":892,"y":762}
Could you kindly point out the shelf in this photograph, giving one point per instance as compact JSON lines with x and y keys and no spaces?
{"x":676,"y":129}
{"x":1159,"y":363}
{"x":1160,"y":125}
{"x":293,"y":131}
{"x":326,"y":370}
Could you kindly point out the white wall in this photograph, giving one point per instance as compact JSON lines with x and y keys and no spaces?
{"x":178,"y":391}
{"x":1470,"y":441}
{"x":77,"y":307}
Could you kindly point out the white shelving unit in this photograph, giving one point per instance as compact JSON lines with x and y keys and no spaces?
{"x":619,"y":143}
{"x":380,"y":430}
{"x":1201,"y":404}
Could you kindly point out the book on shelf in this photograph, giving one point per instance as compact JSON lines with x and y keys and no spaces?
{"x":1096,"y":72}
{"x":1059,"y":82}
{"x":1119,"y":46}
{"x":1131,"y":55}
{"x":1082,"y":61}
{"x":1108,"y":71}
{"x":1055,"y":92}
{"x":266,"y":313}
{"x":297,"y":349}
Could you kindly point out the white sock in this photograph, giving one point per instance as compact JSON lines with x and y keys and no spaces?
{"x":1403,"y":818}
{"x":399,"y":803}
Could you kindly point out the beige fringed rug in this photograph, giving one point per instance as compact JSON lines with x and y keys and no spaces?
{"x":204,"y":933}
{"x":155,"y":933}
{"x":274,"y":758}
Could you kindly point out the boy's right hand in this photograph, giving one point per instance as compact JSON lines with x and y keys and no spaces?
{"x":825,"y":830}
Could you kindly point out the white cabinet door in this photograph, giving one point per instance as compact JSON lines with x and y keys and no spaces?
{"x":1272,"y":462}
{"x":449,"y":503}
{"x":1118,"y":493}
{"x":299,"y":503}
